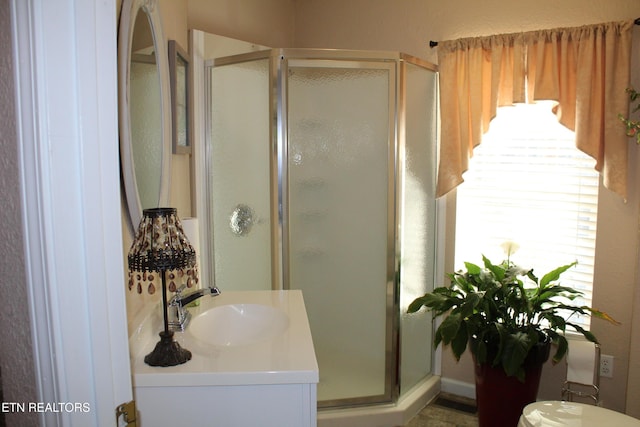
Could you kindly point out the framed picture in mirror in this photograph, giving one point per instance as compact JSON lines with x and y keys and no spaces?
{"x":179,"y":79}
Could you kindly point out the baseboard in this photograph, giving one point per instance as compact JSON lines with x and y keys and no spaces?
{"x":383,"y":415}
{"x":459,"y":388}
{"x":418,"y":397}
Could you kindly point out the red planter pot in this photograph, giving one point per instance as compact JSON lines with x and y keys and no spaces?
{"x":501,"y":399}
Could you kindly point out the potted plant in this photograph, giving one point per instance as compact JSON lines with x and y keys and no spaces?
{"x":508,"y":318}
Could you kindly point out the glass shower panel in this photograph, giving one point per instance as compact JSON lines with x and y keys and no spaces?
{"x":418,"y":228}
{"x":339,"y":169}
{"x":239,"y":175}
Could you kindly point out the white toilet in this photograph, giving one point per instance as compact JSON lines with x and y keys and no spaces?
{"x":562,"y":414}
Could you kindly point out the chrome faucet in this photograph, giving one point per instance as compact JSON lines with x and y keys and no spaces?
{"x":179,"y":316}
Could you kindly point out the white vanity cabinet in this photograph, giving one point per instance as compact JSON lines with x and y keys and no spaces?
{"x":258,"y":371}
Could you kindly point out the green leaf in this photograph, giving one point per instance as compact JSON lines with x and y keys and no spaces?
{"x":601,"y":315}
{"x":415,"y":305}
{"x":587,"y":334}
{"x":554,"y":275}
{"x":532,"y":276}
{"x":565,"y":291}
{"x":449,"y":327}
{"x":436,"y":301}
{"x":497,"y":271}
{"x":472,"y":268}
{"x":459,"y":342}
{"x":555,"y":321}
{"x":438,"y":338}
{"x":562,"y":346}
{"x":502,"y":335}
{"x":460,"y":280}
{"x":516,"y":348}
{"x":480,"y":350}
{"x":469,"y":305}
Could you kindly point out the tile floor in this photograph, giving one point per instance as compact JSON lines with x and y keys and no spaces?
{"x":447,"y":411}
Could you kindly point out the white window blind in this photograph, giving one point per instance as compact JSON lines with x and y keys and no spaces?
{"x":527,"y":183}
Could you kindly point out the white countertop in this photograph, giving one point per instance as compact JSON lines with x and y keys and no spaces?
{"x":287,"y":358}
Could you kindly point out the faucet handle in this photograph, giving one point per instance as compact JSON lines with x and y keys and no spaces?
{"x":177,"y":296}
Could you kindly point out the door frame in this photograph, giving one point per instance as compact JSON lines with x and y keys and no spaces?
{"x":65,"y":67}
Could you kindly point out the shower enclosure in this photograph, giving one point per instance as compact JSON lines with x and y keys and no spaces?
{"x":321,"y":176}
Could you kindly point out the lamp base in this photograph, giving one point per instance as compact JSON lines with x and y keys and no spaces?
{"x":167,"y":352}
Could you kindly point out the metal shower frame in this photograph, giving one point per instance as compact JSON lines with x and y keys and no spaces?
{"x":280,"y":61}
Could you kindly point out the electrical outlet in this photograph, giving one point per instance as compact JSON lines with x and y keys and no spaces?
{"x":606,"y":366}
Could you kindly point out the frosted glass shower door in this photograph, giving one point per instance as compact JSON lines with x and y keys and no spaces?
{"x":239,"y":173}
{"x":340,"y":187}
{"x":418,"y":219}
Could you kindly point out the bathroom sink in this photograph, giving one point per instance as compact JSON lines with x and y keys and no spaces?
{"x":238,"y":324}
{"x":250,"y":350}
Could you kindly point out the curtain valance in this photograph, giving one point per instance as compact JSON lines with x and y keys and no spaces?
{"x":584,"y":69}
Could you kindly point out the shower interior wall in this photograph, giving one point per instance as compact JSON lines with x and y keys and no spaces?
{"x":340,"y":184}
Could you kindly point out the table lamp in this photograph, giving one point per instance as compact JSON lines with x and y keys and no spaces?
{"x":161,"y":249}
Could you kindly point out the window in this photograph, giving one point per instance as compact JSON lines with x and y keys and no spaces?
{"x":528,"y":183}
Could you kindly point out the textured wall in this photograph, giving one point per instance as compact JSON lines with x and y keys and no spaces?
{"x":408,"y":25}
{"x":269,"y":23}
{"x":174,"y":26}
{"x":16,"y":354}
{"x":633,"y":387}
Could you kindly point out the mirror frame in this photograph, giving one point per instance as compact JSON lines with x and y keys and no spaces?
{"x":177,"y":55}
{"x":128,"y":14}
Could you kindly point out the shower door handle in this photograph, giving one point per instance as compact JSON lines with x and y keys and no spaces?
{"x":241,"y":220}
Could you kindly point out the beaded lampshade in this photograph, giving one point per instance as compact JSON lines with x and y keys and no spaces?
{"x":161,"y":244}
{"x":160,"y":252}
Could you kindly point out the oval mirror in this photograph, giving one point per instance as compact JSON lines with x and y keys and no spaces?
{"x":145,"y":121}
